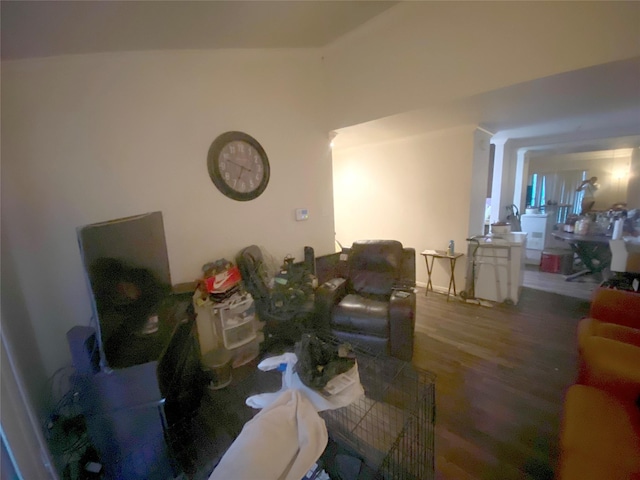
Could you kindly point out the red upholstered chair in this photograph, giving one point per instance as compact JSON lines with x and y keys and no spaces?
{"x":600,"y":432}
{"x":612,"y":327}
{"x":600,"y":436}
{"x":621,"y":307}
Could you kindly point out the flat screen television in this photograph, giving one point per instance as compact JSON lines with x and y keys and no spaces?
{"x":127,"y":267}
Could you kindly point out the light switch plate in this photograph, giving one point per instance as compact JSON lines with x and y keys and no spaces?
{"x":302,"y":214}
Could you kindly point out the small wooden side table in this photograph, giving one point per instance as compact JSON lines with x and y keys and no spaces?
{"x":433,"y":254}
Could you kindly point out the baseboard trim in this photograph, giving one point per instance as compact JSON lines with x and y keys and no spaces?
{"x":436,"y":288}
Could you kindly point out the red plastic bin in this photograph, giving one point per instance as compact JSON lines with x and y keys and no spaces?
{"x":557,"y":261}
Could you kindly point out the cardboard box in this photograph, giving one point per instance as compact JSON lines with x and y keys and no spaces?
{"x":625,"y":256}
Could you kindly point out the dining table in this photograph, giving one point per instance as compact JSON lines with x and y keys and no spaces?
{"x":593,"y":250}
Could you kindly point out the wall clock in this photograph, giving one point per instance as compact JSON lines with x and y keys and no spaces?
{"x":238,"y":166}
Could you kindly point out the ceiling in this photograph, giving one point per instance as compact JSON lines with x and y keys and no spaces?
{"x":595,"y":108}
{"x":46,"y":28}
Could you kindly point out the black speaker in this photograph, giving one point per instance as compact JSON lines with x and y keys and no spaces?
{"x":310,"y":259}
{"x":85,"y":351}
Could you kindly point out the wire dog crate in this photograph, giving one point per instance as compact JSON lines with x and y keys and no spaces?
{"x":390,"y":428}
{"x":392,"y":425}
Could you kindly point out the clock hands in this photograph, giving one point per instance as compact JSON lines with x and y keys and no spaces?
{"x":239,"y":165}
{"x":242,"y":169}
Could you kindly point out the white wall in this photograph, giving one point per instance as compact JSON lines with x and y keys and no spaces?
{"x":421,"y":53}
{"x":416,"y":190}
{"x":93,"y":138}
{"x":17,"y":329}
{"x":20,"y":424}
{"x":479,"y":180}
{"x":516,"y":174}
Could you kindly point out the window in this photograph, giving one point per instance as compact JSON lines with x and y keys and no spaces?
{"x":558,"y":188}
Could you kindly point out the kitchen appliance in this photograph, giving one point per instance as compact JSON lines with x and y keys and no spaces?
{"x":538,"y":227}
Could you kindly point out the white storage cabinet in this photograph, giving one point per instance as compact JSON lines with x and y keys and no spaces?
{"x":499,"y":267}
{"x":538,"y":227}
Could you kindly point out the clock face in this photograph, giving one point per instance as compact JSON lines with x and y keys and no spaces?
{"x":238,"y":166}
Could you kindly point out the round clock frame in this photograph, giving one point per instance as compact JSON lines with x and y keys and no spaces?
{"x":238,"y":166}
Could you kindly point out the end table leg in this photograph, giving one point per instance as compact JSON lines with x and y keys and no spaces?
{"x":429,"y":270}
{"x":453,"y":275}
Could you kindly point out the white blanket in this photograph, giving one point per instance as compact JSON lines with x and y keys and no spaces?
{"x":282,"y":442}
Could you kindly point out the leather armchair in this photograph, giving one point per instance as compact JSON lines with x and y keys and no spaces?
{"x":375,"y":304}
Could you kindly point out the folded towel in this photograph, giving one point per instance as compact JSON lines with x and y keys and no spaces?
{"x":282,"y":442}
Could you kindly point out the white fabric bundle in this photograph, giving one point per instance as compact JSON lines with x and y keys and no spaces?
{"x":282,"y":442}
{"x":287,"y":437}
{"x":290,"y":379}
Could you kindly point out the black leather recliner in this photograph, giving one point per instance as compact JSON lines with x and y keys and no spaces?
{"x":375,"y":305}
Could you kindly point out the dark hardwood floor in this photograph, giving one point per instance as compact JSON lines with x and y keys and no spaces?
{"x":501,"y":376}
